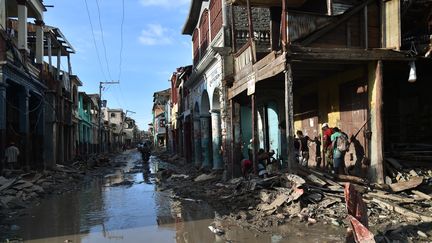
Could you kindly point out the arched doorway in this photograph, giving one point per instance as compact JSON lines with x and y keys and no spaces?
{"x":216,"y":130}
{"x":206,"y":147}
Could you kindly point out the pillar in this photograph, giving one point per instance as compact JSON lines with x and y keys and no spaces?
{"x":377,"y":156}
{"x":216,"y":139}
{"x":69,"y":65}
{"x":205,"y":140}
{"x":3,"y":141}
{"x":22,"y":25}
{"x":24,"y":125}
{"x":58,"y":63}
{"x":39,"y":41}
{"x":50,"y":134}
{"x":289,"y":112}
{"x":254,"y":133}
{"x":197,"y":141}
{"x":49,"y":43}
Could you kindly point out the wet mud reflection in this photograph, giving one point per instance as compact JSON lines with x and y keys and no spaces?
{"x":127,"y":207}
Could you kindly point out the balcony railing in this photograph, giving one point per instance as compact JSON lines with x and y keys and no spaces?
{"x":244,"y":56}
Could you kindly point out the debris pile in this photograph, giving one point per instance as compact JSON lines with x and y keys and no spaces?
{"x":18,"y":189}
{"x":311,"y":197}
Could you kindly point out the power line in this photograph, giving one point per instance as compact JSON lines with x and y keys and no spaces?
{"x":94,"y":41}
{"x":121,"y":40}
{"x":103,"y":39}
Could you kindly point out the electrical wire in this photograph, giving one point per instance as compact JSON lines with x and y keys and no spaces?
{"x":103,"y":39}
{"x":121,"y":40}
{"x":94,"y":41}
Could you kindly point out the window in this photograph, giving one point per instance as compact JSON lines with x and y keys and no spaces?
{"x":113,"y":115}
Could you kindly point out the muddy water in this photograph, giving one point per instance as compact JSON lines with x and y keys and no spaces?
{"x":110,"y":210}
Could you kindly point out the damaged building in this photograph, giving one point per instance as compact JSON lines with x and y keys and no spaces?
{"x":264,"y":69}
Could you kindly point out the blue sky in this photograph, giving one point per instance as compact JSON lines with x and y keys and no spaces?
{"x":153,"y":47}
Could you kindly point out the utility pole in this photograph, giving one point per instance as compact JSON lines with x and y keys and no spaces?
{"x":101,"y":84}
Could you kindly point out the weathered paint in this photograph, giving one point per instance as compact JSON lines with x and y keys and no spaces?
{"x":392,"y":24}
{"x":197,"y":141}
{"x":273,"y":127}
{"x":328,"y":92}
{"x":205,"y":141}
{"x":216,"y":139}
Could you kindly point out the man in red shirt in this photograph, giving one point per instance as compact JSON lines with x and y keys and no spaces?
{"x":327,"y":145}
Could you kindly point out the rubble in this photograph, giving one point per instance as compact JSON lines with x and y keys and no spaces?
{"x":308,"y":196}
{"x":20,"y":190}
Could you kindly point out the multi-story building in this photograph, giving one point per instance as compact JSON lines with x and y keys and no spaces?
{"x":207,"y":24}
{"x":264,"y":69}
{"x":161,"y":114}
{"x":362,"y":66}
{"x":116,"y":119}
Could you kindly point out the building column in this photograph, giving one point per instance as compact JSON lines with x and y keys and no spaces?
{"x":197,"y":141}
{"x":39,"y":41}
{"x":3,"y":141}
{"x":216,"y":137}
{"x":22,"y":25}
{"x":24,"y":124}
{"x":205,"y":140}
{"x":377,"y":150}
{"x":50,"y":134}
{"x":49,"y":43}
{"x":58,"y":64}
{"x":289,"y":113}
{"x":254,"y":133}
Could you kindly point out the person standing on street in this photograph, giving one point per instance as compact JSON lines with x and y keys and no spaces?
{"x":340,"y":146}
{"x":11,"y":156}
{"x":303,"y":148}
{"x":327,"y":145}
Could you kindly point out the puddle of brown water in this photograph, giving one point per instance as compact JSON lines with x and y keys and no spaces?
{"x":138,"y":213}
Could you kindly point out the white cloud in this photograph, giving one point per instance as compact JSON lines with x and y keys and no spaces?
{"x":155,"y":34}
{"x":165,"y":3}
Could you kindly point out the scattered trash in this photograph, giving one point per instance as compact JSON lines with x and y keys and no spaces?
{"x":216,"y":230}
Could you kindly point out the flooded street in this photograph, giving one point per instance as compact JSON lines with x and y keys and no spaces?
{"x":126,"y":207}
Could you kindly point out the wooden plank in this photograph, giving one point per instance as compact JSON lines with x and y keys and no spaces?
{"x":406,"y":185}
{"x":316,"y":180}
{"x":265,"y":61}
{"x":317,"y":53}
{"x":377,"y":110}
{"x":244,"y":72}
{"x":422,"y":195}
{"x":392,"y":197}
{"x":403,"y":211}
{"x":271,"y":70}
{"x":349,"y":178}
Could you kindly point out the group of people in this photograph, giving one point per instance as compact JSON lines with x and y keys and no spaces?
{"x":335,"y":144}
{"x":267,"y":163}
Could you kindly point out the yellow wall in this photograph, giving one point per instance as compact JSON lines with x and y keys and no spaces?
{"x":328,"y":92}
